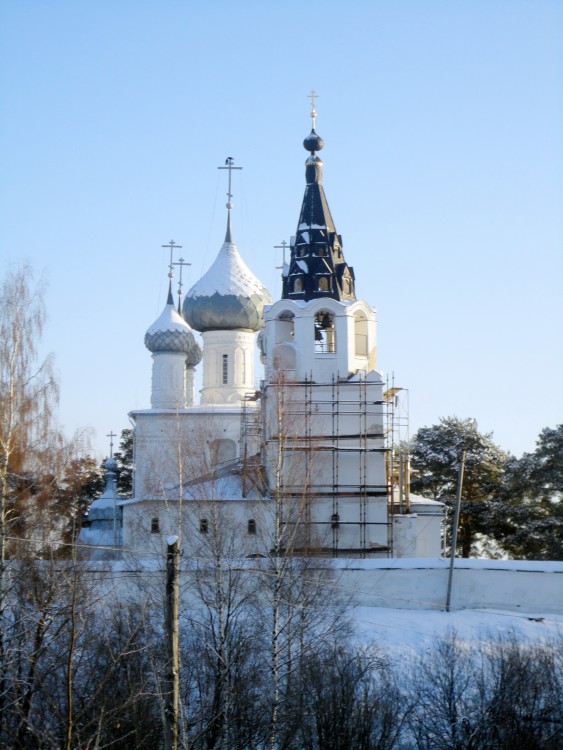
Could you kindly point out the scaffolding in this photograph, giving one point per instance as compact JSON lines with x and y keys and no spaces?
{"x":251,"y":469}
{"x":337,"y":418}
{"x":397,"y":464}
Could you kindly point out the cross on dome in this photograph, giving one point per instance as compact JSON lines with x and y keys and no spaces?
{"x":172,"y":245}
{"x":230,"y":165}
{"x":181,"y":262}
{"x":312,"y":96}
{"x":284,"y":245}
{"x":111,"y":436}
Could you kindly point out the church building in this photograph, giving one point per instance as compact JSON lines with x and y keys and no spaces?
{"x":302,"y":464}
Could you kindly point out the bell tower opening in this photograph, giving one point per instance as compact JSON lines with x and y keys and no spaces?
{"x":325,"y":334}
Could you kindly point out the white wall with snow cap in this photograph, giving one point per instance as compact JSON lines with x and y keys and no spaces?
{"x":421,"y":583}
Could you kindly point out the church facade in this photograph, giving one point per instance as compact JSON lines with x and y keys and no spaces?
{"x":301,"y":464}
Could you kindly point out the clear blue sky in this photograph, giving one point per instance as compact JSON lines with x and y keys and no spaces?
{"x":443,"y":158}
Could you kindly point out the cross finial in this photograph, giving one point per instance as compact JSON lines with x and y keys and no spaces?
{"x":172,"y":245}
{"x":312,"y":96}
{"x":230,"y":165}
{"x":283,"y":247}
{"x":181,"y":262}
{"x":111,"y":436}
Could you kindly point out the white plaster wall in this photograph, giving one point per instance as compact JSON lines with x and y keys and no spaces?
{"x":405,"y":536}
{"x":168,"y":389}
{"x":527,"y":587}
{"x":422,"y":584}
{"x":184,"y":520}
{"x":239,"y":347}
{"x":163,"y":438}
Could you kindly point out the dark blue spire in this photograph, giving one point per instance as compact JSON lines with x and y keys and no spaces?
{"x":317,"y":267}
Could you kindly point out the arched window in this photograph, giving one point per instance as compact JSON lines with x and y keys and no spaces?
{"x":361,"y":334}
{"x":155,"y":526}
{"x":322,"y":285}
{"x":251,"y":526}
{"x":285,"y":326}
{"x":325,"y":335}
{"x":203,"y":526}
{"x":298,"y":284}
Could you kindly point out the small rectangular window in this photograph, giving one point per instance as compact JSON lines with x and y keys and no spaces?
{"x":155,"y":526}
{"x":203,"y":526}
{"x":252,"y":526}
{"x":225,"y":369}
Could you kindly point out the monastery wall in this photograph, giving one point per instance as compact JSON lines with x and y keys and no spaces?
{"x":535,"y":588}
{"x":418,"y":583}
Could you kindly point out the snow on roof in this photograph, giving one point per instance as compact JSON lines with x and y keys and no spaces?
{"x":168,"y":320}
{"x":419,"y":500}
{"x":171,"y":333}
{"x":228,"y":274}
{"x":226,"y":488}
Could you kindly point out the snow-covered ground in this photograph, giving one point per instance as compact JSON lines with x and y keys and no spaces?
{"x":404,"y":632}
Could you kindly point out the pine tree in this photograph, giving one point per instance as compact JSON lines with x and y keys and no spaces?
{"x":436,"y":455}
{"x":124,"y":460}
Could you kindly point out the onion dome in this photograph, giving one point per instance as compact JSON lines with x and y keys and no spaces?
{"x":110,"y":464}
{"x":313,"y":142}
{"x":103,"y":507}
{"x":171,"y":333}
{"x":228,"y":296}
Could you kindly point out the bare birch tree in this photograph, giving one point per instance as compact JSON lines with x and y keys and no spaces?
{"x":28,"y":395}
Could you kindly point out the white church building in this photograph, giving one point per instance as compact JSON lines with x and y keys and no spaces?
{"x":302,"y":464}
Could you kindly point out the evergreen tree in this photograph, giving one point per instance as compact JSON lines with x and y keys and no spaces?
{"x":547,"y":469}
{"x":124,"y":460}
{"x":81,"y":484}
{"x":528,"y":518}
{"x":513,"y":504}
{"x":436,"y":456}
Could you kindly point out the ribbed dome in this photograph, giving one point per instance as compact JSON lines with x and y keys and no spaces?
{"x":171,"y":333}
{"x":228,"y":296}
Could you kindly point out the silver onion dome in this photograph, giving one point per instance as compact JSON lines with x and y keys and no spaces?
{"x":171,"y":333}
{"x":228,"y":296}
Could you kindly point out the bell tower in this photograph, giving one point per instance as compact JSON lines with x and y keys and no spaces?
{"x":318,"y":329}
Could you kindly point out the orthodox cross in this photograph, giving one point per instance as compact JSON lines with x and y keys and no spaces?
{"x":181,"y":262}
{"x":283,"y":247}
{"x":111,"y":437}
{"x":312,"y":96}
{"x":229,"y":164}
{"x":172,"y":245}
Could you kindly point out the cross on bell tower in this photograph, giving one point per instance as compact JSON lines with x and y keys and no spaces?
{"x":312,"y":96}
